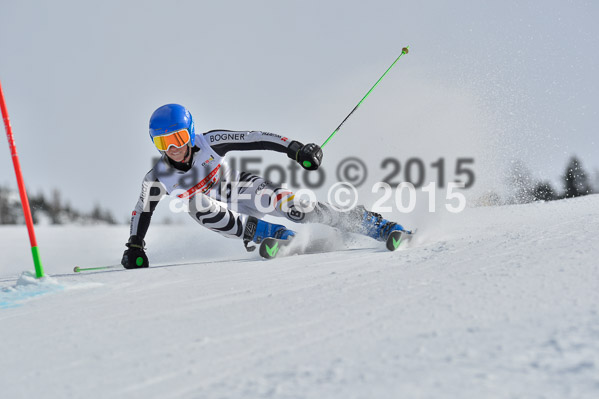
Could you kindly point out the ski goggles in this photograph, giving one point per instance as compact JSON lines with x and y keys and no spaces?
{"x":177,"y":139}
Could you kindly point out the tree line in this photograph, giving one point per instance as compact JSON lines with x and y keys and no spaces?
{"x":576,"y":182}
{"x":52,"y":210}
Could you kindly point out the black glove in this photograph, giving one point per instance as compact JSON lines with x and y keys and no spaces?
{"x":308,"y":155}
{"x":134,"y":256}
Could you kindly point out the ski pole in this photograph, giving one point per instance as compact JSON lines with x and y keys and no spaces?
{"x":78,"y":269}
{"x":403,"y":51}
{"x":37,"y":262}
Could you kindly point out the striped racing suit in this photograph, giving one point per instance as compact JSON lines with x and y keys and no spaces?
{"x":206,"y":183}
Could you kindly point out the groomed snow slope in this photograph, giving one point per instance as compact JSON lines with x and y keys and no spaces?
{"x":494,"y":302}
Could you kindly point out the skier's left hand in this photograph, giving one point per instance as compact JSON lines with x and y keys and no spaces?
{"x":134,"y":256}
{"x":309,"y":156}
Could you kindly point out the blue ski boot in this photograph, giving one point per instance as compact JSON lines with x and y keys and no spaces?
{"x":374,"y":226}
{"x":257,"y":230}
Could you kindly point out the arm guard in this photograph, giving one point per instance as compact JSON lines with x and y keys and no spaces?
{"x":152,"y":191}
{"x":223,"y":141}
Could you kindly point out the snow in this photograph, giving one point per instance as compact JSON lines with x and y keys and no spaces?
{"x":495,"y":302}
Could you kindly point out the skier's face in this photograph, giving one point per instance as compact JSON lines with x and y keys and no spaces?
{"x":178,"y":154}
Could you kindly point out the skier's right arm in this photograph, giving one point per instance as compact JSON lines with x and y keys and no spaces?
{"x":152,"y":192}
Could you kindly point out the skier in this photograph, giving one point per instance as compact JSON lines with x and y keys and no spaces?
{"x":193,"y":167}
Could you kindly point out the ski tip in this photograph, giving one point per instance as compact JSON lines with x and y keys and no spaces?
{"x":394,"y":240}
{"x":397,"y":237}
{"x":269,"y":248}
{"x":76,"y":269}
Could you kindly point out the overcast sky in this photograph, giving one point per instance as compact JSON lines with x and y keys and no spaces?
{"x":496,"y":81}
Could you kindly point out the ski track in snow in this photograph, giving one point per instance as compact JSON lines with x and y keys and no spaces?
{"x":494,"y":302}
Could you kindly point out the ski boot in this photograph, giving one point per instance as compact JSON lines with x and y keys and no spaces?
{"x":271,"y":237}
{"x":374,"y":226}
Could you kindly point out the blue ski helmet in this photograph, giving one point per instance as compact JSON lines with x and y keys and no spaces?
{"x":170,"y":118}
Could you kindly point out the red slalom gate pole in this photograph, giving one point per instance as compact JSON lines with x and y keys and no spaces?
{"x":39,"y":271}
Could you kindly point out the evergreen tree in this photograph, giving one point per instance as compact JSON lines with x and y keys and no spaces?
{"x":576,"y":182}
{"x":96,"y":213}
{"x":107,"y":217}
{"x":543,"y":191}
{"x":595,"y":184}
{"x":55,"y":208}
{"x":6,"y":216}
{"x":11,"y":211}
{"x":38,"y":206}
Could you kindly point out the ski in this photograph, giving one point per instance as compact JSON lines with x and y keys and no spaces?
{"x":271,"y":248}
